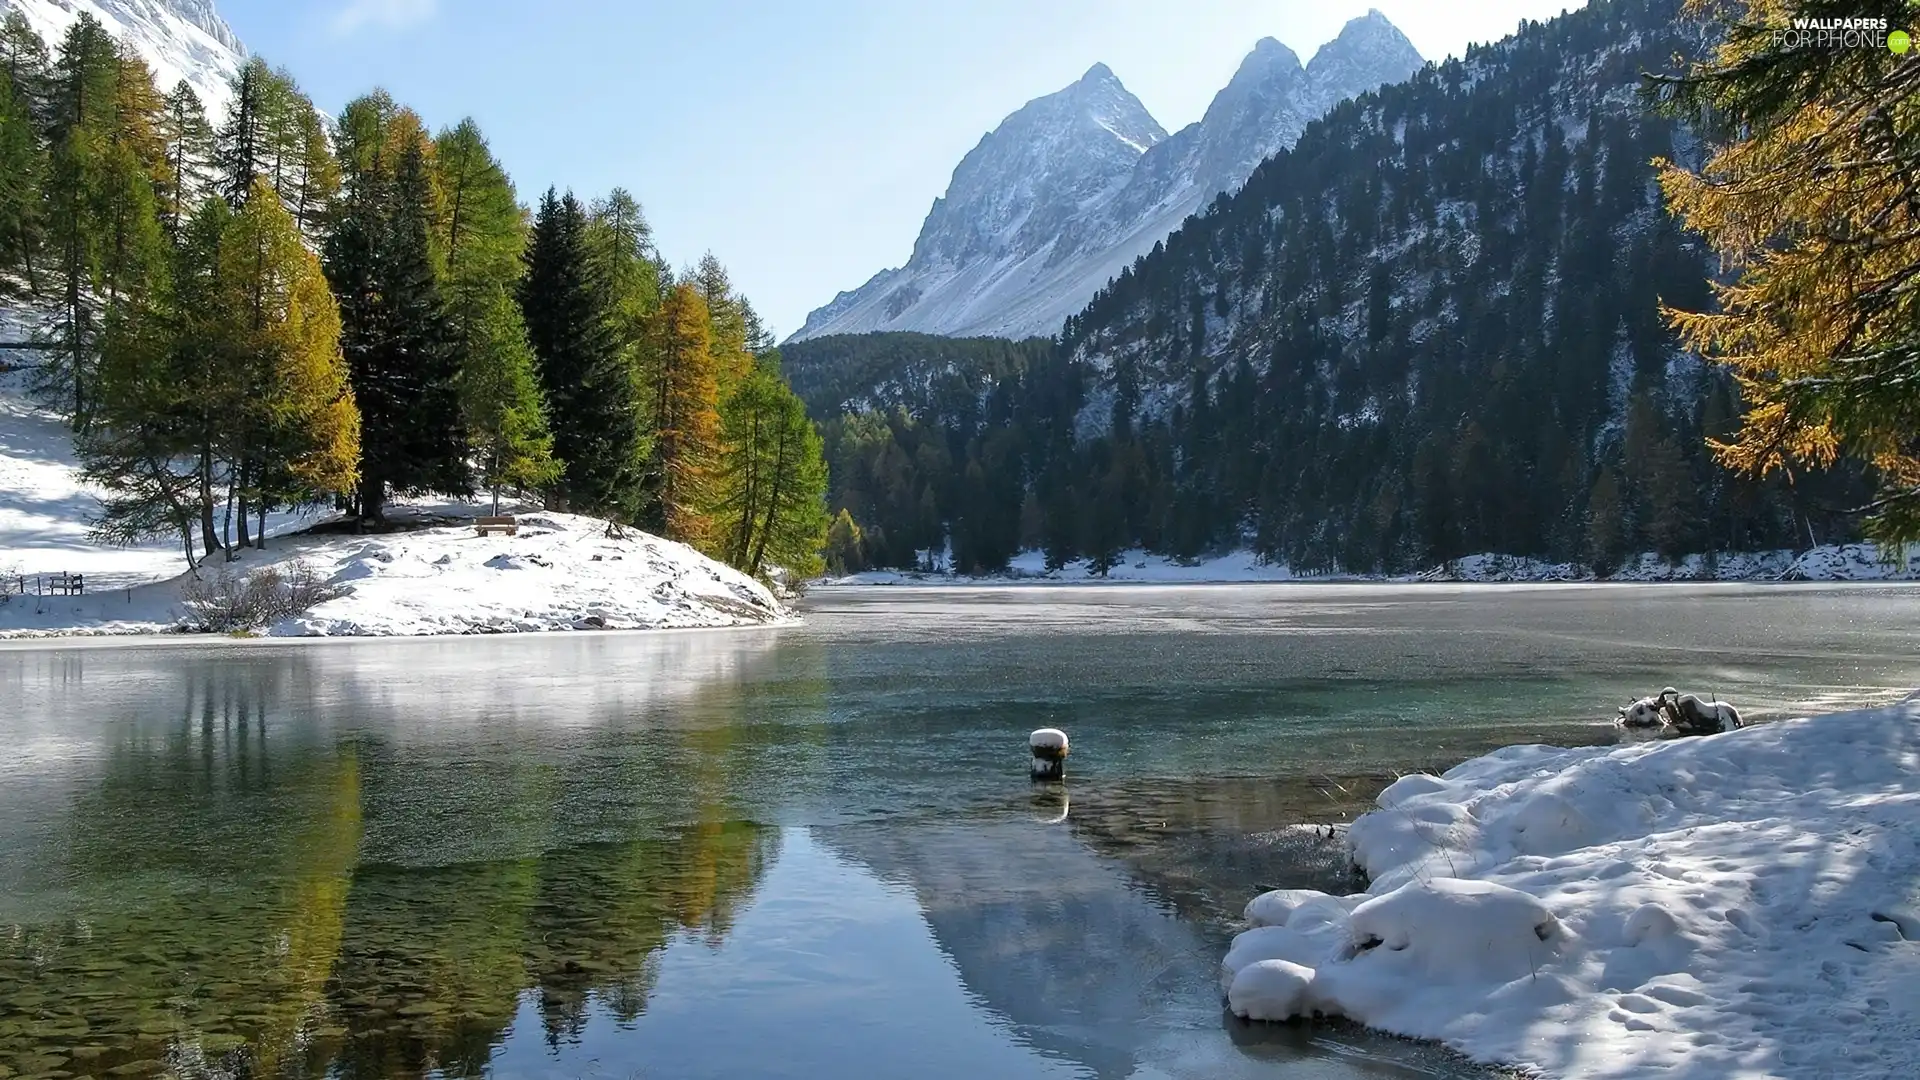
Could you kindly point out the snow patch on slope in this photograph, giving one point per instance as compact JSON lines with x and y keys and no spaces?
{"x":1073,"y":187}
{"x":179,"y":39}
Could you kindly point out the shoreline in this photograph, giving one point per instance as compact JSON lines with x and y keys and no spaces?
{"x":1625,"y":910}
{"x":1856,"y":562}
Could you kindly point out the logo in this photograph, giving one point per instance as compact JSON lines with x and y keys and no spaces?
{"x":1869,"y":32}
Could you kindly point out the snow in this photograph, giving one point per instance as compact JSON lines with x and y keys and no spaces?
{"x":1270,"y":990}
{"x":1134,"y":565}
{"x":561,"y":572}
{"x":1828,"y":562}
{"x":45,"y":506}
{"x":1745,"y":903}
{"x":179,"y":39}
{"x":1070,"y":189}
{"x":1048,"y":738}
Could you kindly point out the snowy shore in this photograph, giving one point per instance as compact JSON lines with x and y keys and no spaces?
{"x":1828,"y":562}
{"x":561,"y":572}
{"x":1745,"y":904}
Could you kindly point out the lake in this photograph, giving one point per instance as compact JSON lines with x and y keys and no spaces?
{"x":803,"y":852}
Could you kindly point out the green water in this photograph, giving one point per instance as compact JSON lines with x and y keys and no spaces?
{"x":801,"y":852}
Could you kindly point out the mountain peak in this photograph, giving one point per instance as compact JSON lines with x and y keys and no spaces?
{"x":1268,"y":58}
{"x":1099,"y":73}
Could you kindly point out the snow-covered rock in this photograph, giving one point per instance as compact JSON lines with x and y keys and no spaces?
{"x":1271,"y":990}
{"x":1074,"y":186}
{"x":179,"y":39}
{"x":1739,"y":904}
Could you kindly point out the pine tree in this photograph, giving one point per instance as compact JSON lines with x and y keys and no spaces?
{"x":230,"y":375}
{"x":501,"y":399}
{"x":680,"y":389}
{"x":589,"y":388}
{"x":772,"y":480}
{"x":399,"y":342}
{"x":1813,"y":195}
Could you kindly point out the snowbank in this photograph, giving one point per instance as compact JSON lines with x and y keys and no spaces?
{"x":1831,"y":562}
{"x":1134,"y":566}
{"x":562,"y":572}
{"x":1739,"y":904}
{"x":1828,"y":562}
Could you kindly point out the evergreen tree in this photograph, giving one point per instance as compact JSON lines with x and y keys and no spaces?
{"x":83,"y":97}
{"x":683,"y":400}
{"x":399,"y":342}
{"x":481,"y":238}
{"x":231,"y":375}
{"x":23,"y":155}
{"x":729,"y":331}
{"x":300,"y":428}
{"x":589,"y":388}
{"x":501,"y":399}
{"x":772,"y":480}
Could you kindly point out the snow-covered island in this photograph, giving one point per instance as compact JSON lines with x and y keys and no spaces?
{"x":1743,"y":904}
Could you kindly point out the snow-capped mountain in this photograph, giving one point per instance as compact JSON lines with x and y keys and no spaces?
{"x":179,"y":39}
{"x":1074,"y":186}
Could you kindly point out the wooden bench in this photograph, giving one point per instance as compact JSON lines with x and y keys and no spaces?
{"x":487,"y":525}
{"x":67,"y":584}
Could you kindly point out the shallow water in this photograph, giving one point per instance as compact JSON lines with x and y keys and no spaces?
{"x":799,"y":852}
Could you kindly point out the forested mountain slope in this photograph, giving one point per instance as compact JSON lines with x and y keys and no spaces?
{"x":1430,"y":328}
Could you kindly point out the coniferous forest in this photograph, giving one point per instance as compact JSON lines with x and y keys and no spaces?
{"x":1432,"y":328}
{"x":271,"y":309}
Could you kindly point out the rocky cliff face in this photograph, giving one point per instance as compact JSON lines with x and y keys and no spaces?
{"x":1076,"y":185}
{"x":179,"y":39}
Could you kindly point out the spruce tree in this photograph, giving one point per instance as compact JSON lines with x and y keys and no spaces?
{"x":566,"y":305}
{"x":481,"y":237}
{"x":399,"y":342}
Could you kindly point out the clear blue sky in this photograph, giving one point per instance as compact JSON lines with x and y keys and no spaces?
{"x":800,"y":142}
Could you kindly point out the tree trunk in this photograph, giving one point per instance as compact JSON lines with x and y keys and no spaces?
{"x":773,"y":503}
{"x":226,"y":523}
{"x":209,"y":537}
{"x":373,"y":498}
{"x":245,"y":508}
{"x":261,"y":533}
